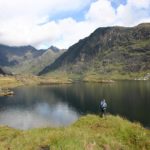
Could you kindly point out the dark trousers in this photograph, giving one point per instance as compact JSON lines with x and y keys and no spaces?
{"x":103,"y":112}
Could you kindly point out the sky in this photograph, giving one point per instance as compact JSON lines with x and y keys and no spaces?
{"x":42,"y":23}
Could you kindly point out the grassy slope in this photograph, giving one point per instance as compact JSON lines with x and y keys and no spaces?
{"x":119,"y":68}
{"x":126,"y":58}
{"x":88,"y":132}
{"x":92,"y":76}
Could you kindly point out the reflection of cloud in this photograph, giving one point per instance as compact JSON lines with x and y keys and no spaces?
{"x":41,"y":115}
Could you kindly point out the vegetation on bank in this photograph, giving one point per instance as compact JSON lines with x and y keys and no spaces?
{"x":92,"y":76}
{"x":88,"y":133}
{"x":58,"y":77}
{"x":96,"y":77}
{"x":18,"y":80}
{"x":8,"y":82}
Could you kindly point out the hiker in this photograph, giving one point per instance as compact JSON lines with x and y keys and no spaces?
{"x":103,"y":106}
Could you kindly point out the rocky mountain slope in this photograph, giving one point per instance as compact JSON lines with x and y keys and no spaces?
{"x":108,"y":50}
{"x":27,"y":59}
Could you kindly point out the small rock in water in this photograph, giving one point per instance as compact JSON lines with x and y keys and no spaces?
{"x":6,"y":92}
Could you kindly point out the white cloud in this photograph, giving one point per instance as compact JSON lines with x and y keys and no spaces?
{"x":39,"y":7}
{"x":134,"y":12}
{"x":101,"y":13}
{"x":24,"y":22}
{"x":25,"y":32}
{"x":72,"y":31}
{"x":139,"y":3}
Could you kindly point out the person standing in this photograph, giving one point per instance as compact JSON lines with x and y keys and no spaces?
{"x":103,"y":107}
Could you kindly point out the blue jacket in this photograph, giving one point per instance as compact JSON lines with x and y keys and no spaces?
{"x":103,"y":104}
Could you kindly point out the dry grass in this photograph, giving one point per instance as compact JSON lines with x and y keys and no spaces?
{"x":14,"y":81}
{"x":9,"y":82}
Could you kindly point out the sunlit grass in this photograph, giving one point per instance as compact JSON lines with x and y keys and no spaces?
{"x":9,"y":81}
{"x":88,"y":132}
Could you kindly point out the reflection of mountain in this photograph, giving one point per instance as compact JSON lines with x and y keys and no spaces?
{"x":35,"y":107}
{"x":27,"y":59}
{"x":108,"y":50}
{"x":78,"y":96}
{"x":84,"y":98}
{"x":29,"y":97}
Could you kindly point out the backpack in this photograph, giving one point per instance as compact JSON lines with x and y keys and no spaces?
{"x":103,"y":105}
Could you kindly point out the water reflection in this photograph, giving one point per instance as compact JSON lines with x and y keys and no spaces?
{"x":28,"y":110}
{"x":60,"y":105}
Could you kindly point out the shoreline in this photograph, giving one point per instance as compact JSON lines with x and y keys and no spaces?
{"x":9,"y":82}
{"x":6,"y":92}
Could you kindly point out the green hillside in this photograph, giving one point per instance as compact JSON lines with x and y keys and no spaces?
{"x":110,"y":52}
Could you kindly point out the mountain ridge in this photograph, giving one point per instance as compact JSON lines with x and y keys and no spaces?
{"x":26,"y":59}
{"x":106,"y":48}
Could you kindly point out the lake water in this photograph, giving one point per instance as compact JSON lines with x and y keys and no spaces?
{"x":61,"y":105}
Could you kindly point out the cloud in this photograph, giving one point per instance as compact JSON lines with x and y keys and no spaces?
{"x":134,"y":12}
{"x":25,"y":32}
{"x":30,"y":22}
{"x":24,"y":22}
{"x":34,"y":8}
{"x":71,"y":31}
{"x":101,"y":13}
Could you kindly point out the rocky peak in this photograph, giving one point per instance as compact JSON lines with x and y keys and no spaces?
{"x":54,"y":49}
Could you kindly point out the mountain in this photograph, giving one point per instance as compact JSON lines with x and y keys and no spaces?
{"x":10,"y":56}
{"x":26,"y":59}
{"x":39,"y":63}
{"x":108,"y":50}
{"x":54,"y":49}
